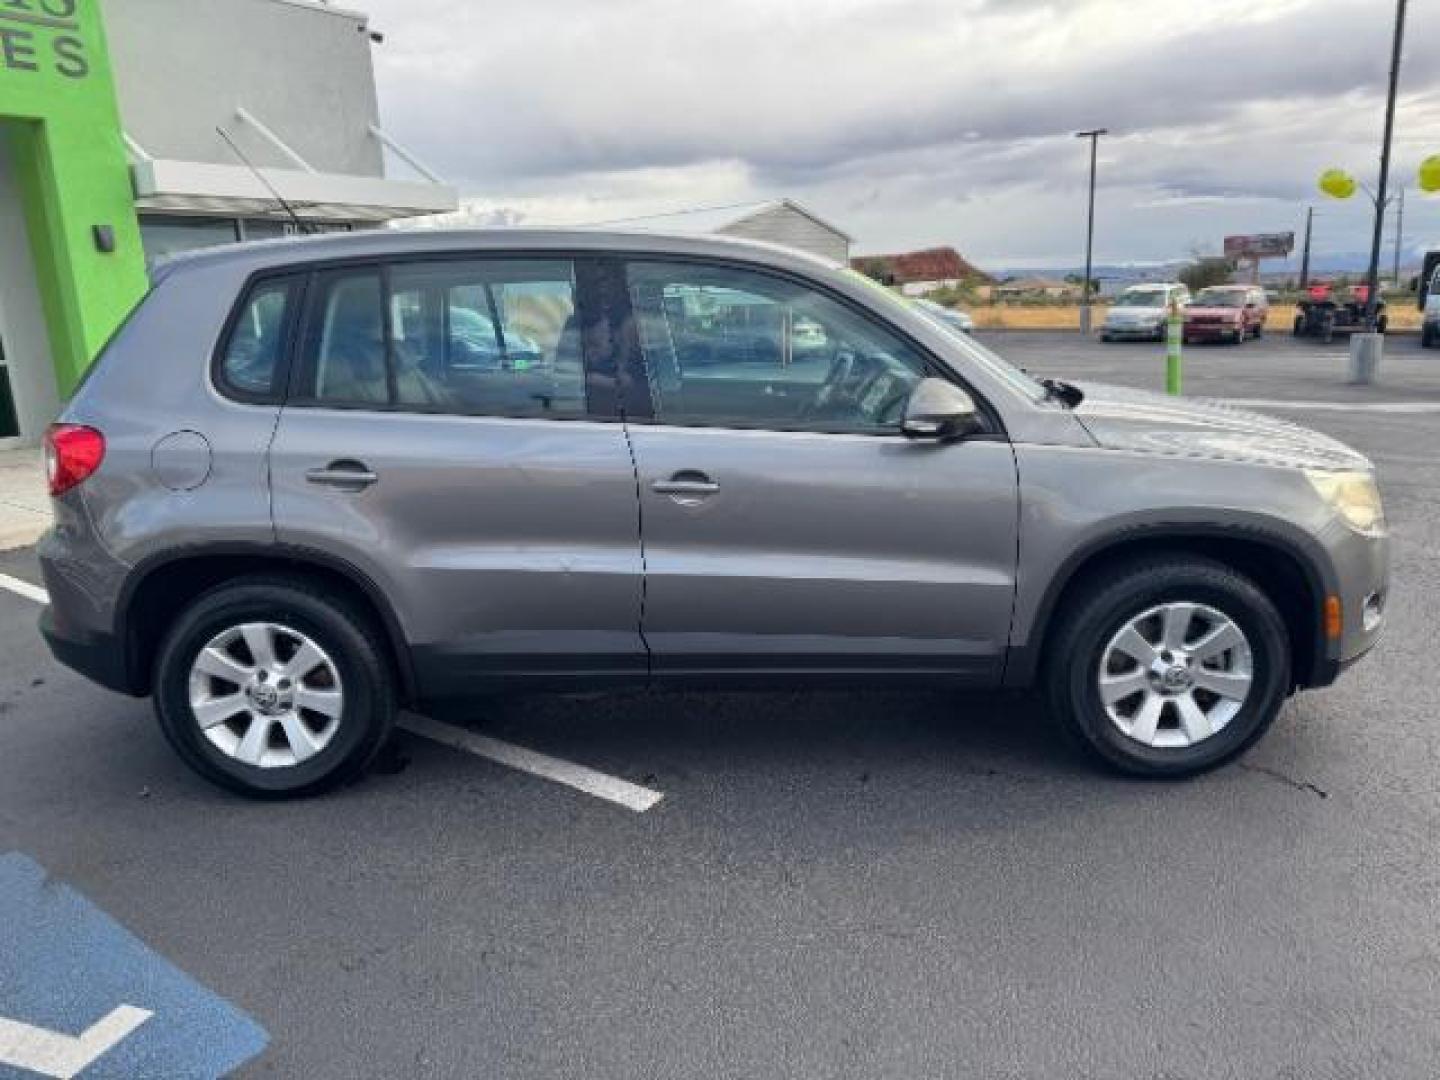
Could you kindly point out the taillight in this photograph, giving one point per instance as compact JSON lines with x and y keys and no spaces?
{"x":72,"y":453}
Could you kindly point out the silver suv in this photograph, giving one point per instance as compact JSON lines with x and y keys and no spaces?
{"x":312,"y":482}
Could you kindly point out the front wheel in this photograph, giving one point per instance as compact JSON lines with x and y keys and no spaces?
{"x":1171,"y":668}
{"x":272,"y":688}
{"x":1429,"y":337}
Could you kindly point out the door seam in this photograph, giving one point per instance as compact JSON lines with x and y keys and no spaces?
{"x":640,"y":536}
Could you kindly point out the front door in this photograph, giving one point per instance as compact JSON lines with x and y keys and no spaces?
{"x":438,"y":437}
{"x":788,"y":526}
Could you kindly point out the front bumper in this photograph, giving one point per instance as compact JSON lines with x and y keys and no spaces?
{"x":1361,"y":567}
{"x":1140,"y":332}
{"x":1211,"y":331}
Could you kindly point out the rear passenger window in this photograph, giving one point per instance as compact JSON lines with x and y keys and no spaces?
{"x":494,"y":337}
{"x":251,"y":360}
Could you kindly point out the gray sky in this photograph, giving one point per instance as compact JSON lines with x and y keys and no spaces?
{"x":911,"y":123}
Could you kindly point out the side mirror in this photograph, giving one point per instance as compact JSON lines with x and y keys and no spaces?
{"x":939,"y":410}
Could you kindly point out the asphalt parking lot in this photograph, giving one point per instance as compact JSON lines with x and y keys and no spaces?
{"x":833,"y":885}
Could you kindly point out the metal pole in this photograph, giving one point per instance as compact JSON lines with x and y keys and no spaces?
{"x":1399,"y":234}
{"x":1094,"y":137}
{"x":1305,"y":257}
{"x":1372,"y":299}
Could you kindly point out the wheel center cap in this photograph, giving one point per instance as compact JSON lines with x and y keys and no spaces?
{"x":265,"y":697}
{"x":1176,"y":678}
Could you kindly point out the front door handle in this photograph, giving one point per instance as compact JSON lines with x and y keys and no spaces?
{"x":686,"y":483}
{"x":346,"y":474}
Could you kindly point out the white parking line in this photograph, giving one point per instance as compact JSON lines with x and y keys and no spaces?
{"x":24,"y":588}
{"x":1339,"y":406}
{"x":601,"y":785}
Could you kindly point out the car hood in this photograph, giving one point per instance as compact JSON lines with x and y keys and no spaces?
{"x":1135,"y":420}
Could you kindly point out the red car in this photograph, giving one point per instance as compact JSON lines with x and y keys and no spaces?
{"x":1226,"y":313}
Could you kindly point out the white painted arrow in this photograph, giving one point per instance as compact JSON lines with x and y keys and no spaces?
{"x":50,"y":1053}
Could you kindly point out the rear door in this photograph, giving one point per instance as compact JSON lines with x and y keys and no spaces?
{"x":788,"y":526}
{"x":440,"y":437}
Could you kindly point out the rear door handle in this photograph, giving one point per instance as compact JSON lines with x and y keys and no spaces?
{"x":343,"y":474}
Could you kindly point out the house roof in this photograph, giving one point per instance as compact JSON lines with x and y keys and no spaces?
{"x":709,"y":219}
{"x":931,"y":264}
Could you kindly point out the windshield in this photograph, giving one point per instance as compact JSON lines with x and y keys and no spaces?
{"x":1220,"y":298}
{"x":992,"y":362}
{"x":1141,"y":298}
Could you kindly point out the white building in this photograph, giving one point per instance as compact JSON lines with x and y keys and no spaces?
{"x":780,"y":221}
{"x":291,"y":83}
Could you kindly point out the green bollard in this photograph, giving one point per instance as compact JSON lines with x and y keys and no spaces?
{"x":1175,"y":331}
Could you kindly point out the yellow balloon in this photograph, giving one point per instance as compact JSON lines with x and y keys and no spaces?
{"x":1430,"y":173}
{"x":1337,"y":183}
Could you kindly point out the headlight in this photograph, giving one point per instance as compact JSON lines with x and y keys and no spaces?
{"x":1352,"y":495}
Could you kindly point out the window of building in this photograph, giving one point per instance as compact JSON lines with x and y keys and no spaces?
{"x":251,"y":360}
{"x":736,"y":348}
{"x":164,"y":236}
{"x":493,"y":337}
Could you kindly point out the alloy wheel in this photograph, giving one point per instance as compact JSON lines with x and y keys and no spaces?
{"x":1175,"y":675}
{"x":266,"y":695}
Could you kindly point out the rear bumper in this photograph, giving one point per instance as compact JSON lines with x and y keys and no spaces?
{"x":99,"y":657}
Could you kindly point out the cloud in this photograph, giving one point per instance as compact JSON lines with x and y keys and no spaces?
{"x":875,"y":109}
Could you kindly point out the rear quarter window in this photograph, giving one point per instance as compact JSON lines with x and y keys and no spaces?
{"x":251,"y":362}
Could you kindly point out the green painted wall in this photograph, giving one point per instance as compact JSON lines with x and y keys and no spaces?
{"x":57,"y":96}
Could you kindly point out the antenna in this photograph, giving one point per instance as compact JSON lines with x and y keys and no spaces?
{"x":300,"y":226}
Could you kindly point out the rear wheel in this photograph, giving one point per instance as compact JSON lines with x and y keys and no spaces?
{"x":1172,"y":668}
{"x":1429,"y":337}
{"x":1299,"y":328}
{"x":271,"y":688}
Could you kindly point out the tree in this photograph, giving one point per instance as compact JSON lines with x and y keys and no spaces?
{"x":1207,"y":270}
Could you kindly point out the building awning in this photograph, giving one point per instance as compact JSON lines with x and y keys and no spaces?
{"x":235,"y":191}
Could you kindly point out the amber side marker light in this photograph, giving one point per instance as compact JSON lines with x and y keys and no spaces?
{"x":1334,"y":623}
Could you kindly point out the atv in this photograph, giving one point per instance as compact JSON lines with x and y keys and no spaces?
{"x":1322,"y":314}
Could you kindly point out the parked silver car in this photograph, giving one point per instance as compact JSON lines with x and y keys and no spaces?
{"x":288,"y":503}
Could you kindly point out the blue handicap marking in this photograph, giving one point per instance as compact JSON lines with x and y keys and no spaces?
{"x":82,"y":996}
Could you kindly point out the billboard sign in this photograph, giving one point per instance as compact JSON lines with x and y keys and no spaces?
{"x":1260,"y":246}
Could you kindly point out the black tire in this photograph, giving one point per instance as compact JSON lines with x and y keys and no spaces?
{"x":1298,"y":329}
{"x":1327,"y":330}
{"x":1092,"y":618}
{"x":1429,"y":337}
{"x":1259,"y":331}
{"x":344,"y":632}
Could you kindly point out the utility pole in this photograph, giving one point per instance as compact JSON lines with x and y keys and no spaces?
{"x":1399,"y":234}
{"x":1372,"y":300}
{"x":1094,"y":137}
{"x":1305,"y":255}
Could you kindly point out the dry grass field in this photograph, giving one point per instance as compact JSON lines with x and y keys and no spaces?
{"x":1403,"y":316}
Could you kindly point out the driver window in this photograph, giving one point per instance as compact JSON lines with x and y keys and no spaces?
{"x":736,"y":348}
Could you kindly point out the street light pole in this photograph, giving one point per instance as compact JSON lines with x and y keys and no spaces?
{"x":1094,"y":137}
{"x":1372,"y":299}
{"x":1399,"y":234}
{"x":1305,"y":256}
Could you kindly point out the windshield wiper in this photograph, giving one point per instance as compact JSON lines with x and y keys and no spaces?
{"x":1063,"y":392}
